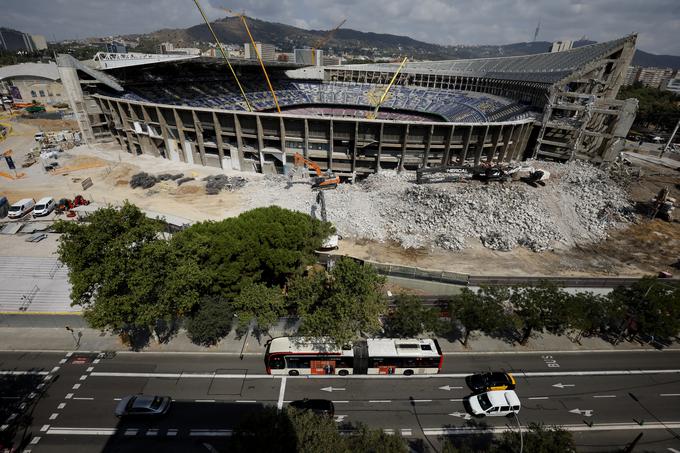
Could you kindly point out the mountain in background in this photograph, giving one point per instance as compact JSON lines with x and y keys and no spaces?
{"x":287,"y":37}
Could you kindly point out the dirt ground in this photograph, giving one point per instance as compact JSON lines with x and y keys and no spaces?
{"x":647,"y":246}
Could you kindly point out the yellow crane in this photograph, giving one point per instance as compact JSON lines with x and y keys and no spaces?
{"x":374,"y":114}
{"x":242,"y":16}
{"x":224,"y":55}
{"x":324,"y":39}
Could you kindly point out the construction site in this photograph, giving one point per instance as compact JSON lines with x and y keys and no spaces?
{"x":581,"y":220}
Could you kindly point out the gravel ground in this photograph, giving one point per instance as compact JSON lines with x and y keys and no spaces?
{"x":578,"y":204}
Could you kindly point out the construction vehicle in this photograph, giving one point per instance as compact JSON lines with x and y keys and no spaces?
{"x":331,"y":242}
{"x":322,"y":181}
{"x":663,"y":205}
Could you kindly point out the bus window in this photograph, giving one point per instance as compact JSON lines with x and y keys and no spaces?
{"x":297,"y":362}
{"x":277,"y":363}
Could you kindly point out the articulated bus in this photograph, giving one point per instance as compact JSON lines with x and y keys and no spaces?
{"x":298,"y":355}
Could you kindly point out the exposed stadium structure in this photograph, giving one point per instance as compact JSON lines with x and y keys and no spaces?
{"x":463,"y":112}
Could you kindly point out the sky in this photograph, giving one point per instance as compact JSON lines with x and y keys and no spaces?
{"x":449,"y":22}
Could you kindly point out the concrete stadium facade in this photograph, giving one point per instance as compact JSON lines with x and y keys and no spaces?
{"x":571,"y":94}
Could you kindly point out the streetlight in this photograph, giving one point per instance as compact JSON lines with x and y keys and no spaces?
{"x":521,"y":434}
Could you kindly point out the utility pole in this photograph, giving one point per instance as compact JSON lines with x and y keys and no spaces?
{"x":670,"y":140}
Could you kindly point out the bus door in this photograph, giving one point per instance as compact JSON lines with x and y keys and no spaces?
{"x":360,"y":357}
{"x":322,"y":366}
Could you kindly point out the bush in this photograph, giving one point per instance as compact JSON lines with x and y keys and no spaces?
{"x":211,"y":322}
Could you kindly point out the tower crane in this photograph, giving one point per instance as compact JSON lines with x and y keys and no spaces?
{"x":324,"y":39}
{"x":242,"y":16}
{"x":374,"y":114}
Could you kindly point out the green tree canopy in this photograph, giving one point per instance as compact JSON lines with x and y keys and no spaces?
{"x":658,"y":108}
{"x":481,"y":310}
{"x":340,"y":304}
{"x":410,"y":318}
{"x":540,"y":308}
{"x":259,"y":302}
{"x":264,"y":245}
{"x":211,"y":322}
{"x":122,"y":274}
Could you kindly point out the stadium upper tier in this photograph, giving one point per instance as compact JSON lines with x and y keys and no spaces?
{"x":448,"y":105}
{"x":545,"y":67}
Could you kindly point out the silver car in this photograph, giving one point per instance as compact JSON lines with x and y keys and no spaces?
{"x":143,"y":405}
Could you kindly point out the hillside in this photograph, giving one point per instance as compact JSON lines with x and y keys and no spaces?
{"x":287,"y":37}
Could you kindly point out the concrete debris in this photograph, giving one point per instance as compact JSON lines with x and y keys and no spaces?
{"x":185,"y":179}
{"x":578,"y":204}
{"x":169,"y":176}
{"x":216,"y":183}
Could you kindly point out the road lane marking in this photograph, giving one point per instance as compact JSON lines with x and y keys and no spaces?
{"x":673,"y":450}
{"x":83,"y":377}
{"x":83,"y":431}
{"x":211,"y":432}
{"x":4,"y":427}
{"x":282,"y":391}
{"x":32,"y":395}
{"x":669,"y":394}
{"x":117,"y":399}
{"x":246,"y":401}
{"x":96,"y":361}
{"x":61,"y":405}
{"x":24,"y":373}
{"x":55,"y":369}
{"x":54,"y":415}
{"x":584,"y":412}
{"x":89,"y":369}
{"x":538,"y":398}
{"x":379,"y":401}
{"x":406,"y":432}
{"x":62,"y":361}
{"x":152,"y":432}
{"x":69,"y":396}
{"x":340,"y":402}
{"x":35,"y":440}
{"x":448,"y":387}
{"x":44,"y":428}
{"x":76,"y":386}
{"x":422,"y":401}
{"x":131,"y":432}
{"x":172,"y":432}
{"x":456,"y":399}
{"x":83,"y":398}
{"x":332,"y":389}
{"x":205,"y":401}
{"x":604,"y":396}
{"x":466,"y":430}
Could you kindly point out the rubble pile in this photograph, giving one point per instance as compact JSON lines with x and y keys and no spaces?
{"x":216,"y":183}
{"x":579,"y":203}
{"x":143,"y":180}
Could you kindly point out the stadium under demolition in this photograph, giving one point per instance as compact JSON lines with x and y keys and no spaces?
{"x":453,"y":118}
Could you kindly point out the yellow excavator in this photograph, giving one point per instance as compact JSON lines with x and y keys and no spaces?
{"x":322,"y":181}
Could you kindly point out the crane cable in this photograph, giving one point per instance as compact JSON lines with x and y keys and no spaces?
{"x":259,"y":58}
{"x":224,"y":55}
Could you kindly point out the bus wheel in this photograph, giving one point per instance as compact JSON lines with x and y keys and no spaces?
{"x":408,"y":372}
{"x":343,"y":372}
{"x":294,"y":372}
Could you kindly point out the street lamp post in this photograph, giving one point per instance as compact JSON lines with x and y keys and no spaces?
{"x":521,"y":434}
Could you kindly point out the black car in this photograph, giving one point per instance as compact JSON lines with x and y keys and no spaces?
{"x":483,"y":382}
{"x":319,"y":407}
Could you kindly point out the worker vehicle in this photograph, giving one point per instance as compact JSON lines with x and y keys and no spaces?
{"x":322,"y":181}
{"x":143,"y":405}
{"x":21,"y":208}
{"x":482,"y":382}
{"x":44,"y":206}
{"x":316,"y":406}
{"x":496,"y":403}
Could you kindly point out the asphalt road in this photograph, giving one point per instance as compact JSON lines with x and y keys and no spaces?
{"x":606,"y":399}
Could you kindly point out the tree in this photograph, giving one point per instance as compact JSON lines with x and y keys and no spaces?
{"x":590,"y":314}
{"x":410,"y":318}
{"x":652,"y":307}
{"x":346,"y":301}
{"x":259,"y":302}
{"x":658,"y":108}
{"x":375,"y":441}
{"x":211,"y":322}
{"x":264,"y":245}
{"x":539,"y":308}
{"x":122,"y":274}
{"x":482,"y":310}
{"x":538,"y":439}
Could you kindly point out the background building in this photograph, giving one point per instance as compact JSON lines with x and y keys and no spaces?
{"x":267,"y":51}
{"x":673,"y":85}
{"x":655,"y":77}
{"x":39,"y":42}
{"x":169,"y":48}
{"x":16,"y":41}
{"x":304,"y":56}
{"x":28,"y":82}
{"x":561,"y":46}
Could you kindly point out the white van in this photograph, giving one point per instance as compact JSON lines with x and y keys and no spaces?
{"x":495,"y":403}
{"x":39,"y":136}
{"x":44,"y":206}
{"x":21,"y":208}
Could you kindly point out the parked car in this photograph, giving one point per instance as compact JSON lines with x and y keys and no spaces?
{"x":21,"y":208}
{"x":496,"y":403}
{"x":4,"y":207}
{"x":44,"y":206}
{"x":319,"y":407}
{"x":483,"y":382}
{"x":143,"y":405}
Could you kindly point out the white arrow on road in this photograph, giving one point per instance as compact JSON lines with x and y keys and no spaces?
{"x":584,"y":412}
{"x":331,"y":389}
{"x":464,"y":415}
{"x":340,"y":418}
{"x":448,"y":387}
{"x":559,"y":385}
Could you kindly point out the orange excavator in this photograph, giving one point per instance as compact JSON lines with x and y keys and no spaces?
{"x":323,"y":180}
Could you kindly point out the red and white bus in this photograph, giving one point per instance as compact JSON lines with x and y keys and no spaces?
{"x":298,"y":355}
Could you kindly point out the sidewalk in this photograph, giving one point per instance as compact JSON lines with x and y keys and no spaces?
{"x":85,"y":339}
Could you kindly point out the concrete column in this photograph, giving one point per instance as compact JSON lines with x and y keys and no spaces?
{"x":355,"y":137}
{"x":380,"y":142}
{"x":239,"y":141}
{"x":330,"y":145}
{"x":198,"y":128}
{"x":260,"y":141}
{"x":125,"y":123}
{"x":403,"y":148}
{"x":481,"y":138}
{"x":218,"y":138}
{"x":146,"y":140}
{"x":428,"y":145}
{"x":498,"y":131}
{"x":466,"y":145}
{"x":447,"y":147}
{"x":305,"y":151}
{"x":182,"y":140}
{"x":507,"y":134}
{"x":164,"y":131}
